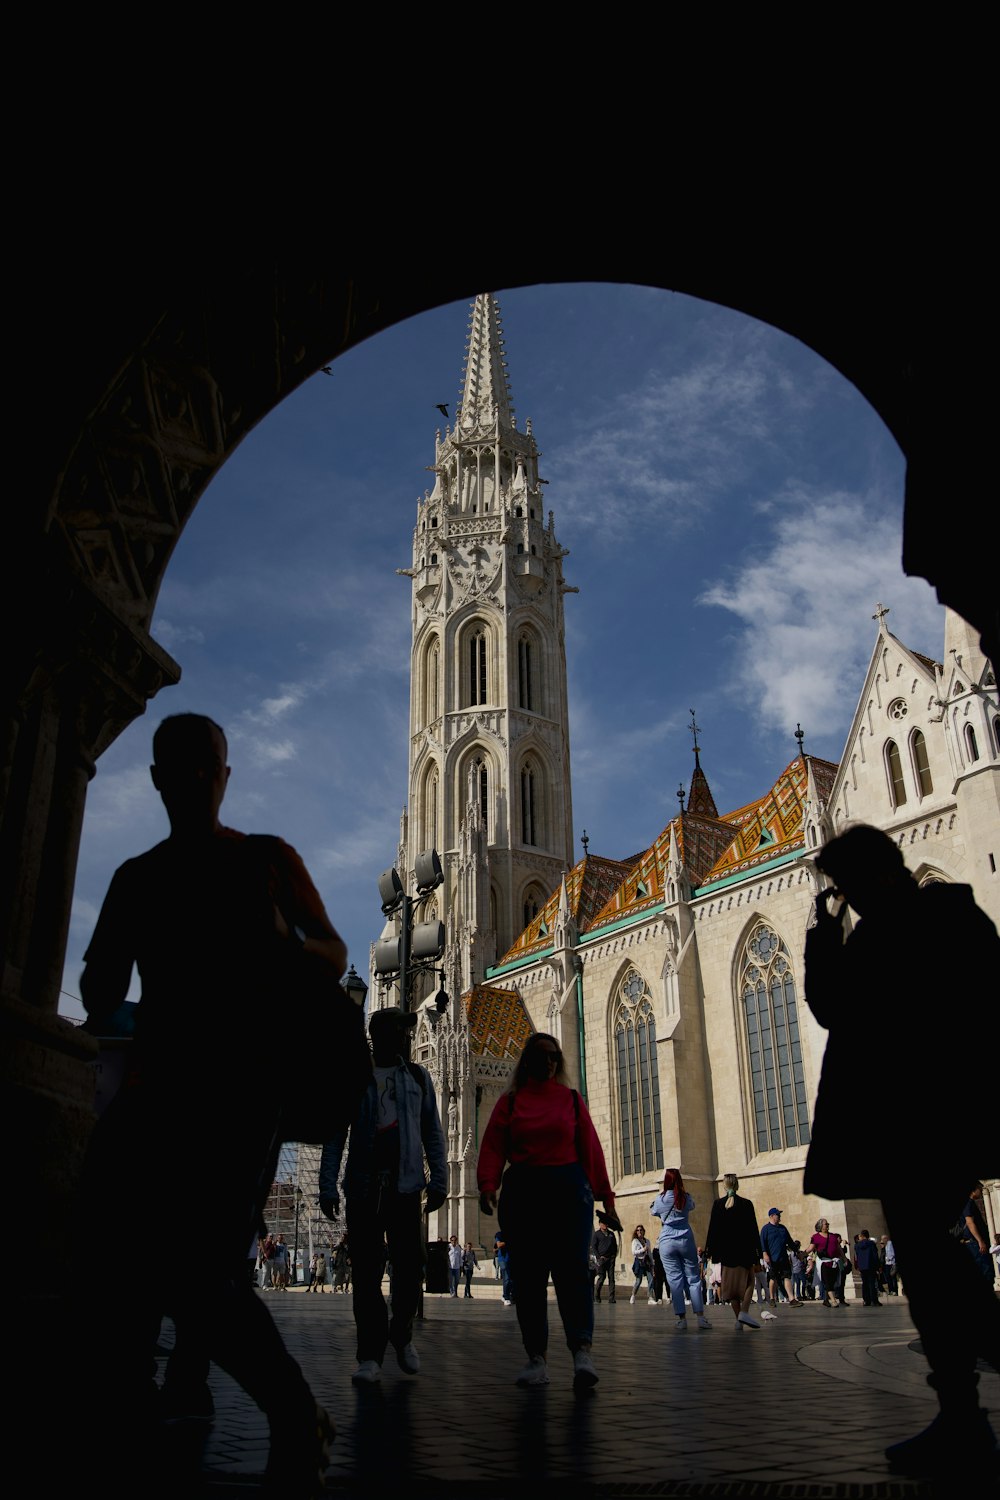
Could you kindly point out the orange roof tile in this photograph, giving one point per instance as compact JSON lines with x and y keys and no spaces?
{"x":498,"y":1022}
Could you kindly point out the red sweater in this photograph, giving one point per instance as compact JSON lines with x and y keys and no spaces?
{"x":538,"y":1125}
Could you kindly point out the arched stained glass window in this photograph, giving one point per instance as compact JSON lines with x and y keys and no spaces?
{"x":529,"y":830}
{"x":526,"y":673}
{"x":634,"y":1033}
{"x":921,"y":765}
{"x":477,"y":668}
{"x":894,"y":771}
{"x":767,"y":989}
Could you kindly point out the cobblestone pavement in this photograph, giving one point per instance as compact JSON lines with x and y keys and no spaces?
{"x":804,"y":1407}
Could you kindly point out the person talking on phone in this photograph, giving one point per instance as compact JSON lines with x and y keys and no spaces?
{"x":556,"y":1168}
{"x":923,"y":951}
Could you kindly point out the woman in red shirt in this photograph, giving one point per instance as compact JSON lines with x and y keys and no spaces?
{"x":543,"y":1129}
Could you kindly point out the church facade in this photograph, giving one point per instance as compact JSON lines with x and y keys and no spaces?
{"x":673,"y":977}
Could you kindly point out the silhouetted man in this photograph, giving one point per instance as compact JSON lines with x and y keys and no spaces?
{"x":397,"y":1126}
{"x":920,"y":951}
{"x":186,"y":1137}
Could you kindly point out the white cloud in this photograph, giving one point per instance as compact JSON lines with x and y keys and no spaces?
{"x":805,"y":601}
{"x":170,"y":635}
{"x":270,"y":752}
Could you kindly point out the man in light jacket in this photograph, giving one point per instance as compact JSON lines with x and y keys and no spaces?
{"x":397,"y":1125}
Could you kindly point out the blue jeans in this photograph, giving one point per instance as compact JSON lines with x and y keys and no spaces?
{"x":530,"y":1198}
{"x":454,"y":1277}
{"x":679,"y":1255}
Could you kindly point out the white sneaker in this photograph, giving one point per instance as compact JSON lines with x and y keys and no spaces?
{"x":769,"y":1317}
{"x":652,"y":1302}
{"x":680,"y":1325}
{"x":703,"y":1322}
{"x":408,"y":1359}
{"x":584,"y":1374}
{"x":507,"y":1302}
{"x":744,"y":1320}
{"x":535,"y":1372}
{"x":631,"y":1300}
{"x":369,"y":1372}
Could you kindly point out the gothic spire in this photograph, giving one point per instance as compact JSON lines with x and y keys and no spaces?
{"x":485,"y":393}
{"x":700,"y":799}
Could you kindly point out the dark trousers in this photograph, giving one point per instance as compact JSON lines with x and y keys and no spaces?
{"x":869,"y":1287}
{"x":384,"y":1215}
{"x":955,"y":1329}
{"x":530,"y":1199}
{"x":605,"y":1270}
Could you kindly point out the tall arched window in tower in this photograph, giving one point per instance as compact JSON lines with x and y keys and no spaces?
{"x":477,"y":667}
{"x":534,"y":900}
{"x":529,"y":828}
{"x":482,"y":789}
{"x":431,"y":811}
{"x":527,"y":665}
{"x":921,"y":765}
{"x":633,"y":1030}
{"x":433,"y":682}
{"x":767,"y":990}
{"x":894,"y":771}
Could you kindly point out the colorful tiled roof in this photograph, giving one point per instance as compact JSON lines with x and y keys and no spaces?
{"x":775,"y":828}
{"x":498,"y":1021}
{"x":588,"y":886}
{"x":700,"y":841}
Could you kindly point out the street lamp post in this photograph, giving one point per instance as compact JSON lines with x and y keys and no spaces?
{"x":419,"y":944}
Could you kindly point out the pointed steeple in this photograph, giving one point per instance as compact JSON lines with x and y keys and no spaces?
{"x":700,"y":799}
{"x":484,"y":400}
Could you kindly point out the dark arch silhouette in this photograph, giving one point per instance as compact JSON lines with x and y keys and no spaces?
{"x":145,"y":377}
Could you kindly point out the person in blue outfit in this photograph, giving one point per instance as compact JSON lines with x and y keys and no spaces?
{"x":397,"y":1126}
{"x":777,"y":1247}
{"x":678,"y":1250}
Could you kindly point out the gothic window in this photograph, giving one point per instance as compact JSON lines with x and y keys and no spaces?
{"x":767,"y":990}
{"x":534,"y":900}
{"x":897,"y":709}
{"x":431,"y":812}
{"x":433,"y":681}
{"x":634,"y":1031}
{"x":476,"y":649}
{"x":971,"y":743}
{"x":482,"y":789}
{"x":894,"y":771}
{"x":996,"y":735}
{"x":921,"y":765}
{"x":529,"y":828}
{"x":526,"y":691}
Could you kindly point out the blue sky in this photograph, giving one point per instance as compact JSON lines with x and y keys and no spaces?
{"x":708,"y":475}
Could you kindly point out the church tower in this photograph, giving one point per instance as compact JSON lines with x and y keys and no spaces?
{"x":489,"y":766}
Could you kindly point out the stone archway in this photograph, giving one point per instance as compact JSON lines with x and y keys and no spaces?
{"x":169,"y":374}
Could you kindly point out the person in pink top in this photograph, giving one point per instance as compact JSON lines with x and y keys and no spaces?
{"x":556,"y":1170}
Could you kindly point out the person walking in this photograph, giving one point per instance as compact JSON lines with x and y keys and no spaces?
{"x":604,"y":1247}
{"x":678,"y":1250}
{"x":776,"y":1245}
{"x":397,"y":1126}
{"x":642,"y":1262}
{"x":454,"y":1264}
{"x":544,"y":1131}
{"x":734,"y":1243}
{"x":470,"y":1265}
{"x":866,"y":1262}
{"x":198,"y":917}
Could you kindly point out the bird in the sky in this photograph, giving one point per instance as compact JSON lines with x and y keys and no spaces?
{"x":443,"y":409}
{"x":326,"y":369}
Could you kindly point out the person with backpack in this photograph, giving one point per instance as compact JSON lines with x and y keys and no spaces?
{"x":397,"y":1125}
{"x":543,"y":1130}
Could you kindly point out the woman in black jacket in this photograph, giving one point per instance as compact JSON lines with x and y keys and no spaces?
{"x":734,"y":1241}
